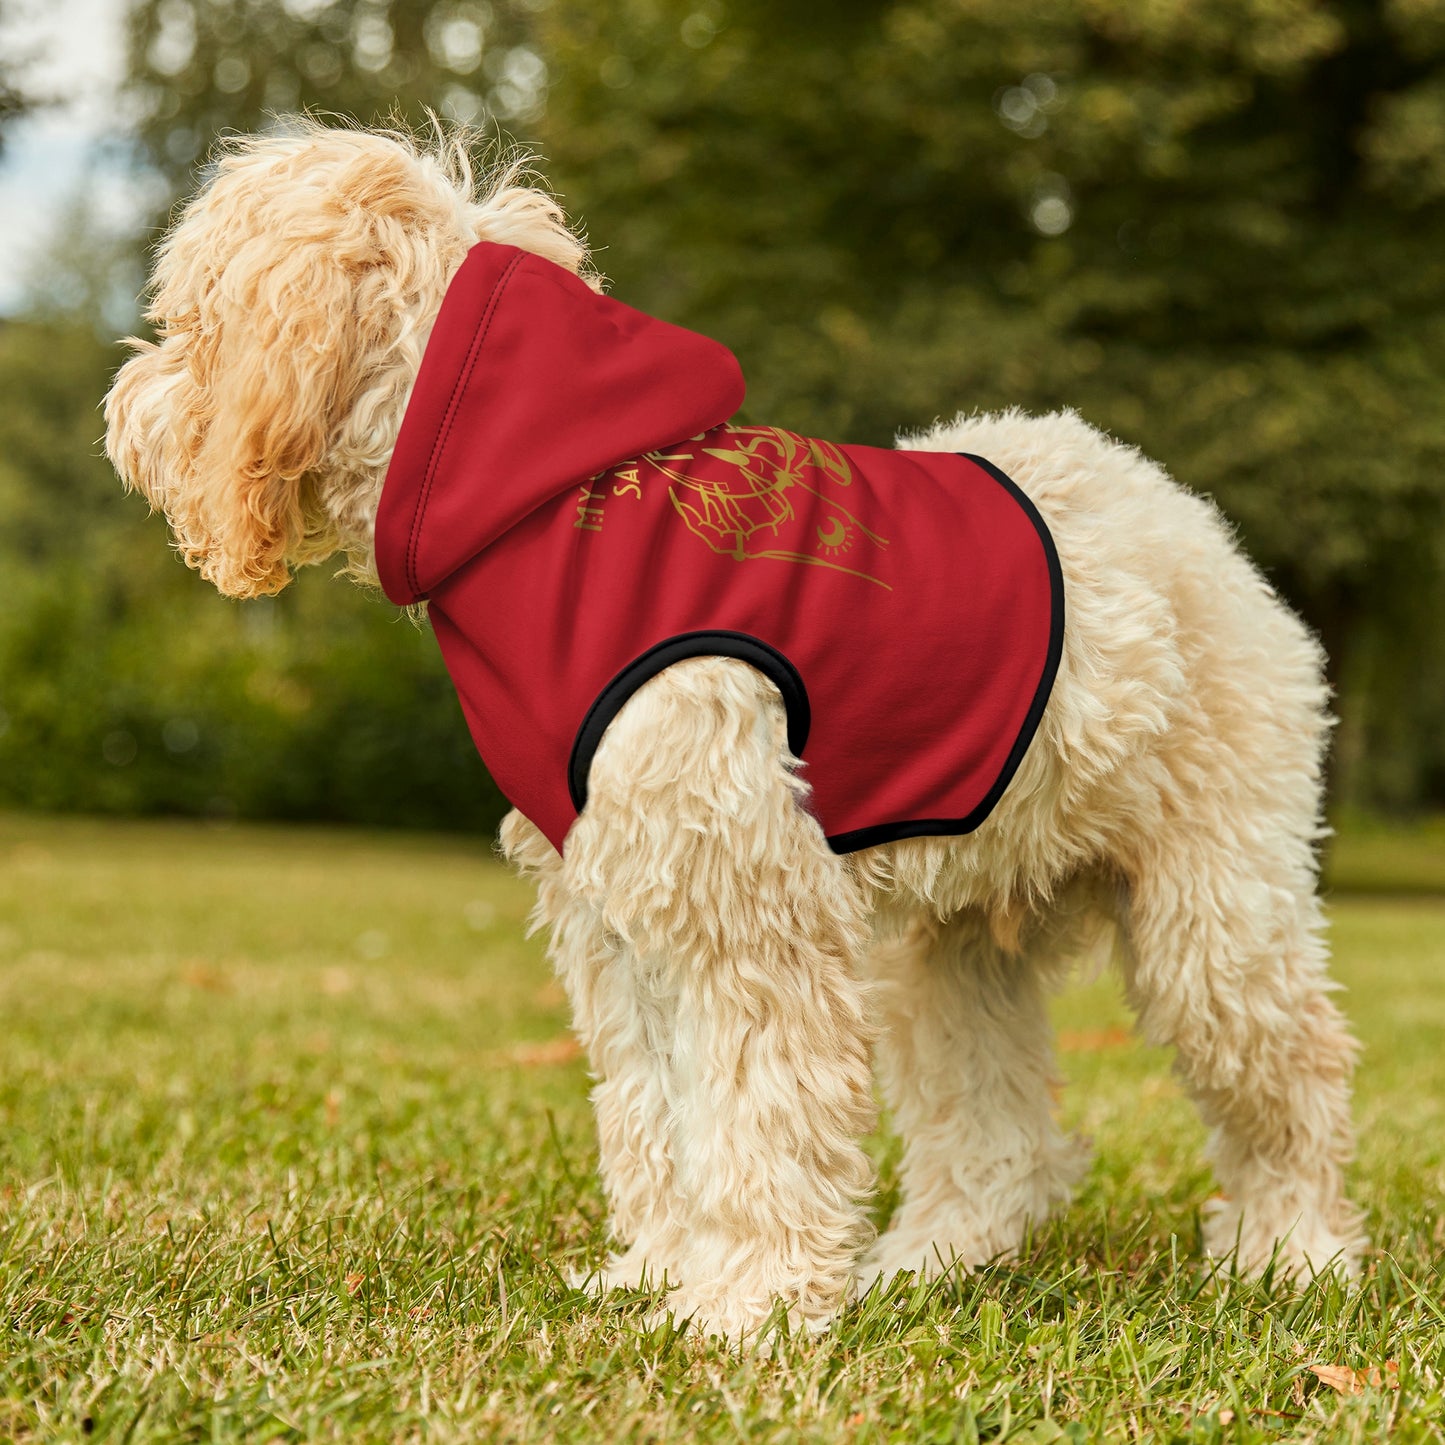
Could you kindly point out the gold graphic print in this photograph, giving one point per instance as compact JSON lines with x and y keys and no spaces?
{"x":747,"y":508}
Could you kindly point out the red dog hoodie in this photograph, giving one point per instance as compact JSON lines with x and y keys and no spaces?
{"x":569,"y":496}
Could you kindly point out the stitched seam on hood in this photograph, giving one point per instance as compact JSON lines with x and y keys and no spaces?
{"x":483,"y":326}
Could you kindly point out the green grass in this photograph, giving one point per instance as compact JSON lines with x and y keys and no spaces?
{"x":1370,"y":855}
{"x":285,"y":1154}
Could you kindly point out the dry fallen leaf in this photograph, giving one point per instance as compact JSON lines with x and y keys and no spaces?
{"x":354,"y":1282}
{"x":197,"y":973}
{"x":1091,"y":1041}
{"x":1347,"y":1381}
{"x":554,"y":1051}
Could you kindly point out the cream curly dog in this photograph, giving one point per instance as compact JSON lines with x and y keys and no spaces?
{"x":731,"y":976}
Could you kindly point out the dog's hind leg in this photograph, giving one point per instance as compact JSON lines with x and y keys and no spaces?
{"x":695,"y":852}
{"x":966,"y":1061}
{"x":1228,"y":966}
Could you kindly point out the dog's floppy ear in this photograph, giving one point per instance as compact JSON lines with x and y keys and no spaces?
{"x":279,"y":361}
{"x":221,"y":424}
{"x":292,"y":300}
{"x":286,"y":301}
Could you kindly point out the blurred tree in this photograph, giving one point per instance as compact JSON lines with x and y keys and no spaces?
{"x":1216,"y":227}
{"x":125,"y":683}
{"x":14,"y":100}
{"x":201,"y":67}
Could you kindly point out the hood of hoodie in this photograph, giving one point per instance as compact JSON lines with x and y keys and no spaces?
{"x":531,"y":384}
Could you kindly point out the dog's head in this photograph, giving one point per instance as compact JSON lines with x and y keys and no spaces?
{"x":292,"y":301}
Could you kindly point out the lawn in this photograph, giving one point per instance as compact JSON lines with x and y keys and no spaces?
{"x":293,"y":1145}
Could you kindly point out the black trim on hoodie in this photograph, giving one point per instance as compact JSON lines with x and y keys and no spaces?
{"x":952,"y":827}
{"x":741,"y":645}
{"x":780,"y":671}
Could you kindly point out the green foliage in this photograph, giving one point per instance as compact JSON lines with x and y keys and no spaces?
{"x":1216,"y":229}
{"x":12,"y":105}
{"x":281,"y":1157}
{"x":202,"y":67}
{"x":294,"y":709}
{"x":1370,"y":856}
{"x":128,"y":686}
{"x":14,"y":101}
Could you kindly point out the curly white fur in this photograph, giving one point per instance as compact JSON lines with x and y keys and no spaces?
{"x":729,"y":974}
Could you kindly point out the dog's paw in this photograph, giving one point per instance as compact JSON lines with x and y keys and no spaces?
{"x":752,"y":1324}
{"x":633,"y":1270}
{"x":927,"y":1253}
{"x":1298,"y":1245}
{"x":925,"y":1260}
{"x":965,"y":1228}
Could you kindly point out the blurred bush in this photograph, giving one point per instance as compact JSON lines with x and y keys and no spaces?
{"x":1215,"y":227}
{"x":128,"y":686}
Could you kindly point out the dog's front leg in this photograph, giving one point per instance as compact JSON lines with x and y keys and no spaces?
{"x":742,"y":929}
{"x":626,"y":1032}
